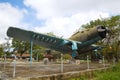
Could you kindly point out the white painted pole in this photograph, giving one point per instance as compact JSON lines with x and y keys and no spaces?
{"x":4,"y":61}
{"x":14,"y":65}
{"x":88,"y":65}
{"x":37,"y":57}
{"x":31,"y":46}
{"x":61,"y":62}
{"x":103,"y":61}
{"x":14,"y":69}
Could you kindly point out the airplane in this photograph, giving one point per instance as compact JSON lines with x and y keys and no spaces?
{"x":79,"y":43}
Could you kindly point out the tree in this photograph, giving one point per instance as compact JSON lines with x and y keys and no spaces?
{"x":22,"y":47}
{"x":1,"y":52}
{"x":111,"y":45}
{"x":51,"y":34}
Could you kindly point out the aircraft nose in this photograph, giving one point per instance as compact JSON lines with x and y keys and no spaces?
{"x":102,"y":31}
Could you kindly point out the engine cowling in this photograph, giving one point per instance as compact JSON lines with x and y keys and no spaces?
{"x":102,"y":31}
{"x":86,"y":35}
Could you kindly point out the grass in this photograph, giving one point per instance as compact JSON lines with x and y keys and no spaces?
{"x":81,"y":78}
{"x":110,"y":74}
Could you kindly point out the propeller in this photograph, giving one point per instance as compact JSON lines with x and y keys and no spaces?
{"x":109,"y":36}
{"x":109,"y":32}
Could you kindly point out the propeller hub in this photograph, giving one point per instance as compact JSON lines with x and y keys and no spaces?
{"x":102,"y":31}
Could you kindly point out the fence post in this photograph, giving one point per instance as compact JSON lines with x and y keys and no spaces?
{"x":88,"y":65}
{"x":103,"y":61}
{"x":31,"y":45}
{"x":14,"y":65}
{"x":113,"y":61}
{"x":4,"y":61}
{"x":61,"y":62}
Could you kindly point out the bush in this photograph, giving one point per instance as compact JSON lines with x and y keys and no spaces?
{"x":67,"y":57}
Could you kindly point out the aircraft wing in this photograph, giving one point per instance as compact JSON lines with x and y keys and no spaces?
{"x":54,"y":43}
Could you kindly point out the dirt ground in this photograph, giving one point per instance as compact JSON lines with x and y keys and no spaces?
{"x":26,"y":69}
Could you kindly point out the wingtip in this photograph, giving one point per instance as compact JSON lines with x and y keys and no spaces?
{"x":9,"y":31}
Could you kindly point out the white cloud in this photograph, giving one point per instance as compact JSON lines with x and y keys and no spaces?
{"x":9,"y":16}
{"x":63,"y":17}
{"x":65,"y":26}
{"x":44,"y":8}
{"x":47,"y":9}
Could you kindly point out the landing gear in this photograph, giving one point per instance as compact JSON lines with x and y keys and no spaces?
{"x":74,"y":54}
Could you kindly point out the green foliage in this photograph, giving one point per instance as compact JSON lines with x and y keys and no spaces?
{"x":81,"y":78}
{"x":22,"y":46}
{"x":1,"y":51}
{"x":38,"y":55}
{"x":111,"y":74}
{"x":67,"y":56}
{"x":51,"y":34}
{"x":93,"y":23}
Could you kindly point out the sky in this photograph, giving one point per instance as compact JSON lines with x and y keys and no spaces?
{"x":62,"y":17}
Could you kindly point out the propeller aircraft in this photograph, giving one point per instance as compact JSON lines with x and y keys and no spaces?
{"x":79,"y":43}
